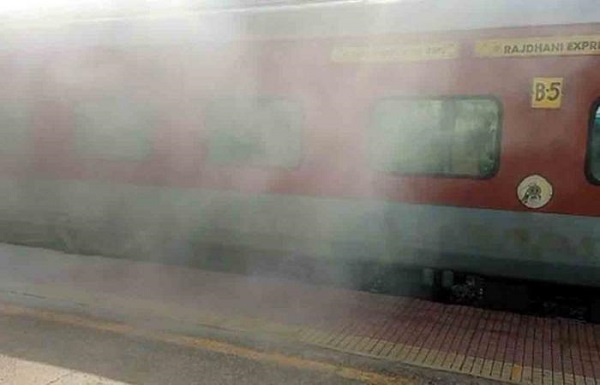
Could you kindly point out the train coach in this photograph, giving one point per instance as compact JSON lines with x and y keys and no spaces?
{"x":431,"y":136}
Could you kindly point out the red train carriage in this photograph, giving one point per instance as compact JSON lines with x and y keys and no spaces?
{"x":385,"y":135}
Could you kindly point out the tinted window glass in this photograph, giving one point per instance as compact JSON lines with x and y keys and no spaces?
{"x":116,"y":128}
{"x":594,"y":146}
{"x":262,"y":131}
{"x":444,"y":136}
{"x":15,"y":121}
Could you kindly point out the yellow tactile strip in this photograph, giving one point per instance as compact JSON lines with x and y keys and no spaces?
{"x":443,"y":360}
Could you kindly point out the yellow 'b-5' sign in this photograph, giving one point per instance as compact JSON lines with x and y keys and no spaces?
{"x":546,"y":92}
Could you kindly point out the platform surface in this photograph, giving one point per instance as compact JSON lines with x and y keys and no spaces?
{"x":490,"y":344}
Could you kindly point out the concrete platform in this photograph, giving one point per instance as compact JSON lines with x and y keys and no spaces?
{"x":18,"y":371}
{"x":494,"y":345}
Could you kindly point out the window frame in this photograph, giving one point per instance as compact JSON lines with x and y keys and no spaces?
{"x":498,"y":148}
{"x":258,"y":165}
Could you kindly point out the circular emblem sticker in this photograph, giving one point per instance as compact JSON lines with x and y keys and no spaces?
{"x":534,"y":191}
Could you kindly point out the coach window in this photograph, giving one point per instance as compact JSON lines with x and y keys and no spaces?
{"x":14,"y":128}
{"x":254,"y":131}
{"x":455,"y":137}
{"x":594,"y":146}
{"x":114,"y":128}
